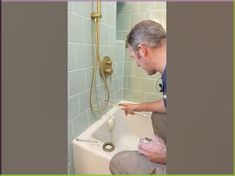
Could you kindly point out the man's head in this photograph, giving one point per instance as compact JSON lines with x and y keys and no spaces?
{"x":146,"y":43}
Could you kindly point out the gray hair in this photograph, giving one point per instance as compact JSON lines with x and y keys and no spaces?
{"x":148,"y":32}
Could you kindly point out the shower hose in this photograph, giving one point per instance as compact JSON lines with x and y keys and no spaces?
{"x":96,"y":106}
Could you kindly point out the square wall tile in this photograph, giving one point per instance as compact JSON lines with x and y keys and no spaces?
{"x":130,"y":7}
{"x":161,"y":5}
{"x":75,"y":28}
{"x":84,"y":99}
{"x":102,"y":50}
{"x":120,"y":83}
{"x":89,"y":74}
{"x":93,"y":116}
{"x":116,"y":97}
{"x":138,"y":96}
{"x":125,"y":82}
{"x":84,"y":55}
{"x":120,"y":68}
{"x":104,"y":34}
{"x":112,"y":35}
{"x":148,"y":85}
{"x":72,"y":62}
{"x":158,"y":17}
{"x":103,"y":11}
{"x":118,"y":35}
{"x":125,"y":34}
{"x":152,"y":96}
{"x":144,"y":6}
{"x":98,"y":79}
{"x":114,"y":85}
{"x":100,"y":92}
{"x":76,"y":86}
{"x":110,"y":12}
{"x":134,"y":83}
{"x":89,"y":35}
{"x":129,"y":68}
{"x":83,"y":8}
{"x":119,"y":53}
{"x":115,"y":71}
{"x":80,"y":123}
{"x":120,"y":43}
{"x":136,"y":18}
{"x":128,"y":94}
{"x":123,"y":22}
{"x":73,"y":107}
{"x":110,"y":52}
{"x":127,"y":55}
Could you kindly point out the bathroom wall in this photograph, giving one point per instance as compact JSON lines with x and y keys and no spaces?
{"x":80,"y":65}
{"x":138,"y":86}
{"x":127,"y":82}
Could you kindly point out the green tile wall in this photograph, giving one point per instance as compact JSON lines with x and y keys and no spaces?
{"x":137,"y":85}
{"x":80,"y":65}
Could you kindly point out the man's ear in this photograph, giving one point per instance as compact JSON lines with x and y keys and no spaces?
{"x":143,"y":51}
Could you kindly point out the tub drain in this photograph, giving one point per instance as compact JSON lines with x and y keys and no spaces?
{"x":108,"y":147}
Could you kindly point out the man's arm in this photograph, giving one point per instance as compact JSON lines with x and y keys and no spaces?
{"x":155,"y":106}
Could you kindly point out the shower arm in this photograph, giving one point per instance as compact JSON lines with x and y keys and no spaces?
{"x":97,"y":15}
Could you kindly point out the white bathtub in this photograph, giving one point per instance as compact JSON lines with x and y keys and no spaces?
{"x":91,"y":159}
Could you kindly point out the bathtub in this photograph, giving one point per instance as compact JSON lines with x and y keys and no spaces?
{"x":90,"y":158}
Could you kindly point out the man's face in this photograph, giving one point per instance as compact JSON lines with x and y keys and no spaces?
{"x":142,"y":59}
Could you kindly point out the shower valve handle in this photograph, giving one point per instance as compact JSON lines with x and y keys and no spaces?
{"x":108,"y":70}
{"x":106,"y":67}
{"x":109,"y":63}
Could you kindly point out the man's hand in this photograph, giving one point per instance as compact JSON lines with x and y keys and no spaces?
{"x":129,"y":108}
{"x":155,"y":150}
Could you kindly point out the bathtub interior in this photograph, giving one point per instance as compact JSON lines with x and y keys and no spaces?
{"x":125,"y":135}
{"x":126,"y":131}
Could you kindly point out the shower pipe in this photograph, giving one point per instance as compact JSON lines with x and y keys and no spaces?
{"x":95,"y":16}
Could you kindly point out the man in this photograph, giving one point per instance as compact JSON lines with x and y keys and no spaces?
{"x":147,"y":46}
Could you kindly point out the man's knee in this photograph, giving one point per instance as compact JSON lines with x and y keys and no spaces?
{"x":117,"y":163}
{"x":113,"y":167}
{"x":131,"y":162}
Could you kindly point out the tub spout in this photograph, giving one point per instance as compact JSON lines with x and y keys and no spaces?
{"x":110,"y":123}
